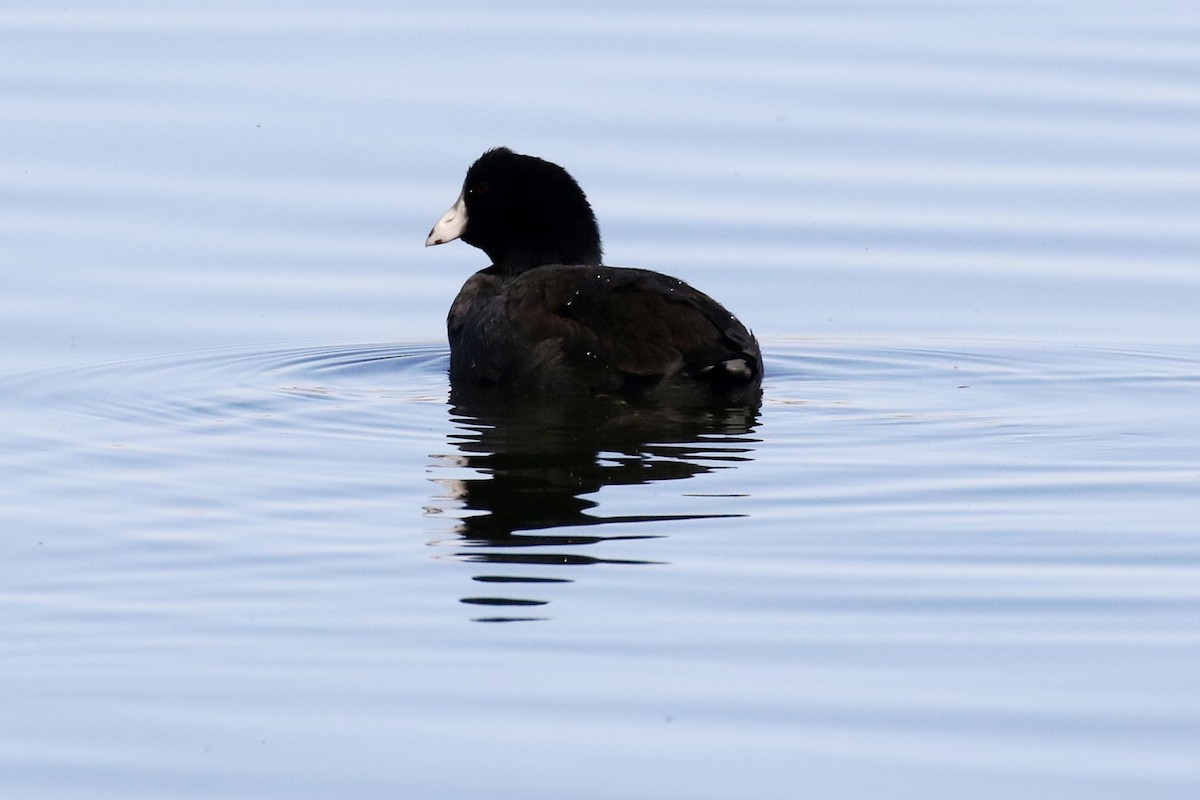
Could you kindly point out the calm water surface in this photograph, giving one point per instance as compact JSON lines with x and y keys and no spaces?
{"x":251,"y":549}
{"x":943,"y":565}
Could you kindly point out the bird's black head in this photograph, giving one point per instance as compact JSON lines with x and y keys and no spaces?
{"x":523,"y":212}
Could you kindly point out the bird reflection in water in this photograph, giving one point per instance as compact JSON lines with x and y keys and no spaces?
{"x":535,"y":462}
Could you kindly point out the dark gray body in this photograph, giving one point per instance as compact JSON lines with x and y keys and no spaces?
{"x":571,"y":331}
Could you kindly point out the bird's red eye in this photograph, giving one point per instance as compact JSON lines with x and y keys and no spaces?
{"x":479,"y":189}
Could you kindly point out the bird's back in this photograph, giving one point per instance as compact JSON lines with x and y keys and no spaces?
{"x":570,"y":330}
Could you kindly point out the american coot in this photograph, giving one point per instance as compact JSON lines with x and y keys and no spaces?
{"x":546,"y":319}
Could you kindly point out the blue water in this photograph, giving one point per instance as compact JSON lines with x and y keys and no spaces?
{"x":250,"y":549}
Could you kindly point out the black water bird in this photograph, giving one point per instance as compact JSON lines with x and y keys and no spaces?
{"x":548,"y":320}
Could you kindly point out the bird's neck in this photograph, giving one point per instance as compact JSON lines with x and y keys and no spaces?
{"x":516,"y":260}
